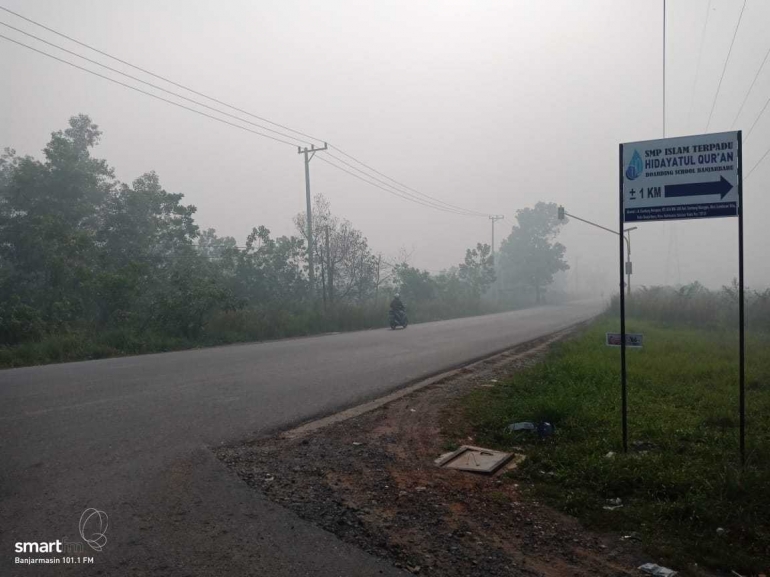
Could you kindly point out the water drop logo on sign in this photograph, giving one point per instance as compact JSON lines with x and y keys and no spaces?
{"x":635,"y":166}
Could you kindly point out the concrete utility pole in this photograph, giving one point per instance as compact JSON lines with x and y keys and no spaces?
{"x":309,"y":154}
{"x":494,"y":218}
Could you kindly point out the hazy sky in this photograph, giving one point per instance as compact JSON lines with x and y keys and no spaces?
{"x":492,"y":106}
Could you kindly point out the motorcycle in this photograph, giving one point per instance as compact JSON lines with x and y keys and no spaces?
{"x":398,"y":318}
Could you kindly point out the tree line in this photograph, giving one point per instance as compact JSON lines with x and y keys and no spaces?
{"x":82,"y":254}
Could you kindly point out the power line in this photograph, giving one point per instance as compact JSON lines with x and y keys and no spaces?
{"x":724,"y":68}
{"x":761,"y":112}
{"x":476,"y":213}
{"x":292,"y":144}
{"x":697,"y":68}
{"x":753,"y":82}
{"x":433,"y":202}
{"x":393,"y":191}
{"x":423,"y":198}
{"x":158,"y":76}
{"x":149,"y":83}
{"x":753,"y":168}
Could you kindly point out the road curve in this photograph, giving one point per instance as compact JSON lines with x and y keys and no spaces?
{"x":128,"y":436}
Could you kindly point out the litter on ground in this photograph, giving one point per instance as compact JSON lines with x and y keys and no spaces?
{"x":523,"y":426}
{"x":657,"y":570}
{"x":544,"y":429}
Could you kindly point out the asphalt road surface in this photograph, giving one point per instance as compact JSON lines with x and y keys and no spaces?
{"x":129,"y":436}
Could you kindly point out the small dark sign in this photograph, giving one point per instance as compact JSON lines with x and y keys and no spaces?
{"x":632,"y":339}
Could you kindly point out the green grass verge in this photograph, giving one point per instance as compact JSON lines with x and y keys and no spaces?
{"x":681,"y":483}
{"x":81,"y":346}
{"x":223,"y":328}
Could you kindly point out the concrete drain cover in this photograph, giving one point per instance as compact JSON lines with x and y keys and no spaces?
{"x":477,"y":459}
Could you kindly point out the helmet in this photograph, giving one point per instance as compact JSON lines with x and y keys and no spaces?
{"x":397,"y":295}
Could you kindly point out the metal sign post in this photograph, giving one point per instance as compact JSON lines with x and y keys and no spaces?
{"x":689,"y":177}
{"x":623,"y":384}
{"x":741,"y":303}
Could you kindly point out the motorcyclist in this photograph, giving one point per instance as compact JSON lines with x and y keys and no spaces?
{"x":397,"y":312}
{"x":396,"y":305}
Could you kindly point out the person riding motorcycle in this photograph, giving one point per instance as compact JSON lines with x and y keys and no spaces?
{"x":396,"y":305}
{"x":397,"y":313}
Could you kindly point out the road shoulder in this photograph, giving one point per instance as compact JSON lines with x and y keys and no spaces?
{"x":208,"y":523}
{"x":370,"y":479}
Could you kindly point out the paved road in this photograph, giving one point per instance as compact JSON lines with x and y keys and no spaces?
{"x":129,"y":436}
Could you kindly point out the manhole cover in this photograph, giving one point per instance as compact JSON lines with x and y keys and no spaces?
{"x":477,"y":459}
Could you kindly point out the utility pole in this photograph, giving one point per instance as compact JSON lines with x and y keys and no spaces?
{"x":309,"y":154}
{"x":494,"y":218}
{"x":329,"y":269}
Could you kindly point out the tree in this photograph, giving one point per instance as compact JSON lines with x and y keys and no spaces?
{"x":529,"y":257}
{"x":191,"y":289}
{"x":50,"y":215}
{"x":81,"y":251}
{"x":415,"y":285}
{"x":146,"y":233}
{"x":478,"y":270}
{"x":270,"y":271}
{"x":214,"y":247}
{"x":348,"y":269}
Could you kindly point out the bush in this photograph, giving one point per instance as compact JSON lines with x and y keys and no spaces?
{"x":697,"y":306}
{"x":19,"y":322}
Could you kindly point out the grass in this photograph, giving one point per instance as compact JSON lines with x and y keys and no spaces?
{"x":78,"y":346}
{"x":222,"y":328}
{"x":681,"y":483}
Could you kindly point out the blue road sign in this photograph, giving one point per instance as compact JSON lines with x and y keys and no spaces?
{"x":687,"y":177}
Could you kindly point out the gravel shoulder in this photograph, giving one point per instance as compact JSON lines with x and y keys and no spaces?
{"x":371,"y":480}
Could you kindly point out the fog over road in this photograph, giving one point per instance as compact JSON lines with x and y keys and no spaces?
{"x":128,"y":436}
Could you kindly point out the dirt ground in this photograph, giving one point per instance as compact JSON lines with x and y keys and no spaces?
{"x":372,"y":481}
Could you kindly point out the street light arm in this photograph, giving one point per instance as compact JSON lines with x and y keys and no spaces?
{"x":626,"y":237}
{"x":592,"y":223}
{"x":626,"y":240}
